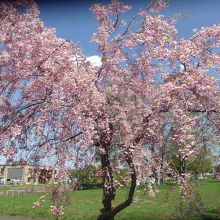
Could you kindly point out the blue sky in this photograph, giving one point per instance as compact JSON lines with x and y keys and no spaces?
{"x":74,"y":21}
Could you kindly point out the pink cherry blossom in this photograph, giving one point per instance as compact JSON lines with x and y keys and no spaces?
{"x":56,"y":105}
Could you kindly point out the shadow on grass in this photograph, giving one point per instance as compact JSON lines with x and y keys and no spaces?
{"x":214,"y":181}
{"x":206,"y":217}
{"x":211,"y":214}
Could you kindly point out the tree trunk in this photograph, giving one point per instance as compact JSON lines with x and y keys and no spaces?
{"x":109,"y":192}
{"x":162,"y":165}
{"x":105,"y":216}
{"x":162,"y":173}
{"x":183,"y":166}
{"x":129,"y":200}
{"x":107,"y":186}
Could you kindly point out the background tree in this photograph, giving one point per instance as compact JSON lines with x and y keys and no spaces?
{"x":199,"y":165}
{"x":85,"y":178}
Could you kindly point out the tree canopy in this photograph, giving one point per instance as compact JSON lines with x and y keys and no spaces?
{"x":55,"y":104}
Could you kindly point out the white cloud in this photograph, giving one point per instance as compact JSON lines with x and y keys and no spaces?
{"x":94,"y":60}
{"x":181,"y":68}
{"x":75,"y":59}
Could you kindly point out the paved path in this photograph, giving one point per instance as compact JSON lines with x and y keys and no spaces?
{"x":16,"y":218}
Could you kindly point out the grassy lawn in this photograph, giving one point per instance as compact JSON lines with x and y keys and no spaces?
{"x":87,"y":203}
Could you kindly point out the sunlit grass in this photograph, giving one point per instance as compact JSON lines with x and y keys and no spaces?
{"x":87,"y":203}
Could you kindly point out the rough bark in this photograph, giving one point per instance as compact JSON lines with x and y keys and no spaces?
{"x":108,"y":212}
{"x":109,"y":190}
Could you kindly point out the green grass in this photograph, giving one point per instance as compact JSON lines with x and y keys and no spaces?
{"x":87,"y":203}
